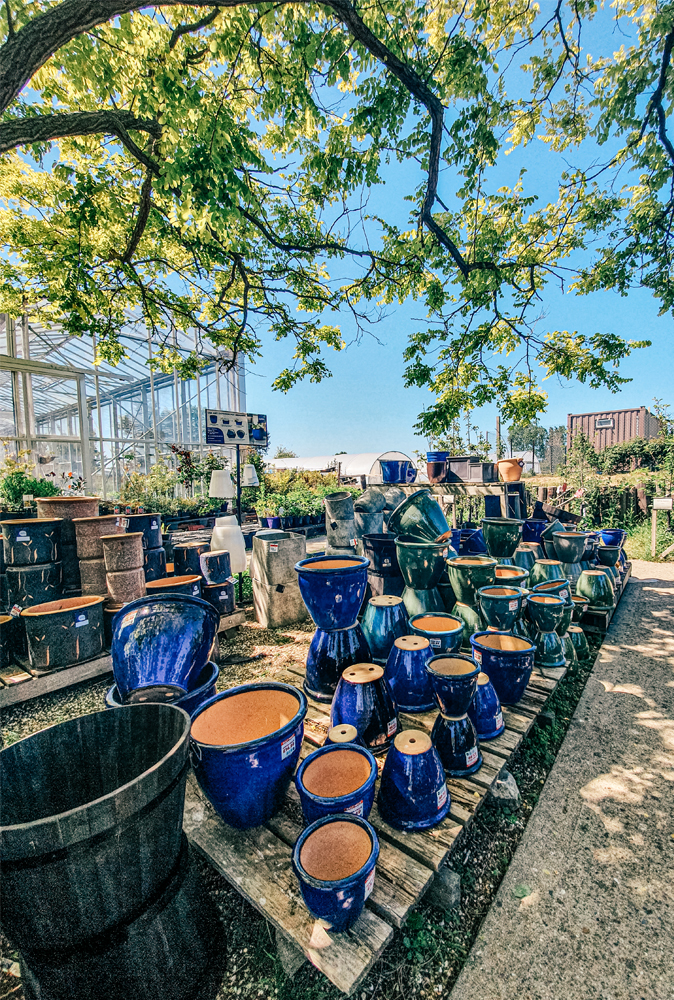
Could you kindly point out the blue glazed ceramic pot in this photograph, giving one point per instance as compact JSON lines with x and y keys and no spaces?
{"x":333,"y":588}
{"x":160,"y":645}
{"x":338,"y":778}
{"x":244,"y":745}
{"x":216,"y":567}
{"x":532,"y":530}
{"x":443,"y":631}
{"x":393,"y":471}
{"x":406,"y":673}
{"x":500,"y":606}
{"x":455,"y":739}
{"x":154,"y":564}
{"x":545,"y":610}
{"x":484,"y":710}
{"x":150,"y":525}
{"x":204,"y":689}
{"x":453,"y":677}
{"x":330,"y":653}
{"x":413,"y":793}
{"x":419,"y":516}
{"x":475,"y":544}
{"x":341,"y":734}
{"x":385,"y":620}
{"x":613,"y":536}
{"x":508,"y":661}
{"x":363,"y":699}
{"x":334,"y":860}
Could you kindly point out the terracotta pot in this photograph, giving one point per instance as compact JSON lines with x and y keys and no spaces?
{"x":510,"y":469}
{"x":67,"y":508}
{"x":64,"y":632}
{"x":89,"y":530}
{"x":93,"y":576}
{"x":123,"y":552}
{"x":127,"y":585}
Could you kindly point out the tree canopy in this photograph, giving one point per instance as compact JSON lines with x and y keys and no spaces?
{"x":210,"y":166}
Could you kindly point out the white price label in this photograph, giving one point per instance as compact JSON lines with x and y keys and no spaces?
{"x":512,"y":605}
{"x":355,"y":810}
{"x":477,"y":656}
{"x":81,"y":620}
{"x":386,"y":562}
{"x":564,"y":594}
{"x":442,"y":796}
{"x":288,"y":747}
{"x":369,"y":883}
{"x":392,"y":726}
{"x":471,"y":756}
{"x":498,"y":719}
{"x":273,"y":547}
{"x":437,"y":643}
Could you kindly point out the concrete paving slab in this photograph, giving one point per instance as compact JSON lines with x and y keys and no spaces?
{"x":586,"y":909}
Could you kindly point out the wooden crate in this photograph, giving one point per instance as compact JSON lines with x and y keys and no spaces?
{"x":257,"y":862}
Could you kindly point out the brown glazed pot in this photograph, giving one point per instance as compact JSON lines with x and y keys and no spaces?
{"x":92,"y":574}
{"x":88,"y":532}
{"x":67,"y":508}
{"x":123,"y":552}
{"x":126,"y":585}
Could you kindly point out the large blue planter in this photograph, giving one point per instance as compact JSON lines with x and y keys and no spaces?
{"x":406,"y":673}
{"x":324,"y":859}
{"x":413,"y":792}
{"x":508,"y":661}
{"x":333,"y":588}
{"x":330,"y":653}
{"x":363,"y":699}
{"x":160,"y":645}
{"x":456,"y":742}
{"x":533,"y":529}
{"x":338,"y":778}
{"x":454,"y":679}
{"x":203,"y":690}
{"x":244,"y":746}
{"x":393,"y":471}
{"x":484,"y":710}
{"x":443,"y":631}
{"x":384,"y":621}
{"x":613,"y":536}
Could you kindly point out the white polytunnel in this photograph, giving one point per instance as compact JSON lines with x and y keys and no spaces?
{"x":366,"y":464}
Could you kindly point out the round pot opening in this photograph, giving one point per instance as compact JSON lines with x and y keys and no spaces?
{"x":173,"y":581}
{"x":453,"y":666}
{"x":412,"y":742}
{"x":332,"y":564}
{"x":436,"y":623}
{"x":500,"y":592}
{"x":245,"y":717}
{"x":542,"y":599}
{"x":503,"y":572}
{"x":53,"y":607}
{"x":363,"y":673}
{"x":333,"y":775}
{"x":507,"y":643}
{"x":335,"y":851}
{"x":470,"y":561}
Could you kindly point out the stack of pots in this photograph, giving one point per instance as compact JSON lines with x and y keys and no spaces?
{"x":384,"y":577}
{"x":64,"y":632}
{"x":369,"y":513}
{"x":468,"y":575}
{"x":68,"y":508}
{"x":340,"y":524}
{"x":574,"y":549}
{"x":276,"y":592}
{"x":422,"y":546}
{"x":32,"y":557}
{"x":333,"y":589}
{"x":502,"y":535}
{"x":88,"y":535}
{"x":125,"y":577}
{"x":154,"y":555}
{"x":218,"y":583}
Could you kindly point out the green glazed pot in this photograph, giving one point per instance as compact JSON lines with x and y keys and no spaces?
{"x":500,"y":606}
{"x":572,"y":572}
{"x":545,"y":611}
{"x":521,"y":628}
{"x":549,"y":651}
{"x":559,"y":588}
{"x":511,"y":576}
{"x":580,"y":606}
{"x":544,"y":570}
{"x":421,"y":563}
{"x":570,"y":545}
{"x":467,"y":574}
{"x":595,"y":585}
{"x":472,"y":622}
{"x":569,"y":652}
{"x":418,"y":601}
{"x":580,"y":643}
{"x":524,"y":557}
{"x":608,"y":555}
{"x":502,"y":535}
{"x":548,"y":533}
{"x":613,"y":573}
{"x":447,"y":594}
{"x":419,"y":516}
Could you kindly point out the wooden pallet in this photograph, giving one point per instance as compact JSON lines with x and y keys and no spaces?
{"x":34,"y":687}
{"x":257,"y":862}
{"x":599,"y":621}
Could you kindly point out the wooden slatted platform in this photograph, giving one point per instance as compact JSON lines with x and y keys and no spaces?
{"x":22,"y":686}
{"x":257,"y":862}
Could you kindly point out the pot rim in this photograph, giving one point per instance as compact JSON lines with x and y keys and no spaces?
{"x":240,"y":689}
{"x":358,"y":563}
{"x":502,"y":520}
{"x":438,"y":614}
{"x":453,"y":656}
{"x":173,"y":581}
{"x":494,"y":586}
{"x":418,"y":543}
{"x":550,"y":597}
{"x":344,"y":883}
{"x":123,"y":534}
{"x":475,"y":637}
{"x":35,"y":612}
{"x":326,"y":800}
{"x":484,"y":560}
{"x":165,"y":598}
{"x":99,"y":517}
{"x":212,"y":678}
{"x":33,"y":520}
{"x":66,"y":499}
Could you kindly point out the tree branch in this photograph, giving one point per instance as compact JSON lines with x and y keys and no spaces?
{"x":185,"y":29}
{"x":42,"y":128}
{"x":143,"y":214}
{"x":655,"y":103}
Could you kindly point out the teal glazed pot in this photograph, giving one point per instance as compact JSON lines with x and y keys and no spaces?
{"x":406,"y":673}
{"x":384,"y":621}
{"x":419,"y":516}
{"x":570,"y":656}
{"x":413,"y":792}
{"x":508,"y":661}
{"x":455,"y":739}
{"x":608,"y":555}
{"x":524,"y":557}
{"x":443,"y":631}
{"x":502,"y":535}
{"x":485,"y":710}
{"x":544,"y":570}
{"x":596,"y":586}
{"x":419,"y":602}
{"x":500,"y":606}
{"x":570,"y":546}
{"x":511,"y":576}
{"x":559,"y":588}
{"x":545,"y":611}
{"x":472,"y":622}
{"x":580,"y":644}
{"x":422,"y":563}
{"x":549,"y":651}
{"x":521,"y":629}
{"x":467,"y":574}
{"x":580,"y":606}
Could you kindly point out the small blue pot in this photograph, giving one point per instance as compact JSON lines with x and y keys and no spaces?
{"x":364,"y":699}
{"x":205,"y":688}
{"x":330,"y":653}
{"x":453,"y":692}
{"x":407,"y":676}
{"x":329,"y":770}
{"x":394,"y":472}
{"x":613,"y":536}
{"x":333,"y":588}
{"x":533,"y":529}
{"x":469,"y":541}
{"x":455,"y":740}
{"x":247,"y":781}
{"x":150,"y":525}
{"x":338,"y":901}
{"x":384,"y":621}
{"x":501,"y":606}
{"x":215,"y":567}
{"x":343,"y":734}
{"x":485,"y":710}
{"x":443,"y":631}
{"x":413,"y":792}
{"x":154,"y":563}
{"x":161,"y":643}
{"x":437,"y":456}
{"x":509,"y":669}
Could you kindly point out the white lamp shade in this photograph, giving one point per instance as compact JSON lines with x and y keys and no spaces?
{"x":250,"y":476}
{"x":221,"y":484}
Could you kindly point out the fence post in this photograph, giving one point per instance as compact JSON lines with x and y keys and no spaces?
{"x":654,"y":531}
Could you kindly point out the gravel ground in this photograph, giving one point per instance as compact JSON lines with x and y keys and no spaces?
{"x":424,"y":958}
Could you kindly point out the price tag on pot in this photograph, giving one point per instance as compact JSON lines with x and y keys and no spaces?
{"x":386,"y":562}
{"x":392,"y":726}
{"x":16,"y":611}
{"x":273,"y":547}
{"x":471,"y":756}
{"x":353,"y":541}
{"x":512,"y":605}
{"x":288,"y":747}
{"x":477,"y":656}
{"x":369,"y":883}
{"x":436,"y":642}
{"x":564,"y":594}
{"x":498,"y":720}
{"x":81,"y":620}
{"x":231,"y":579}
{"x":356,"y":810}
{"x":22,"y":536}
{"x":442,"y":796}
